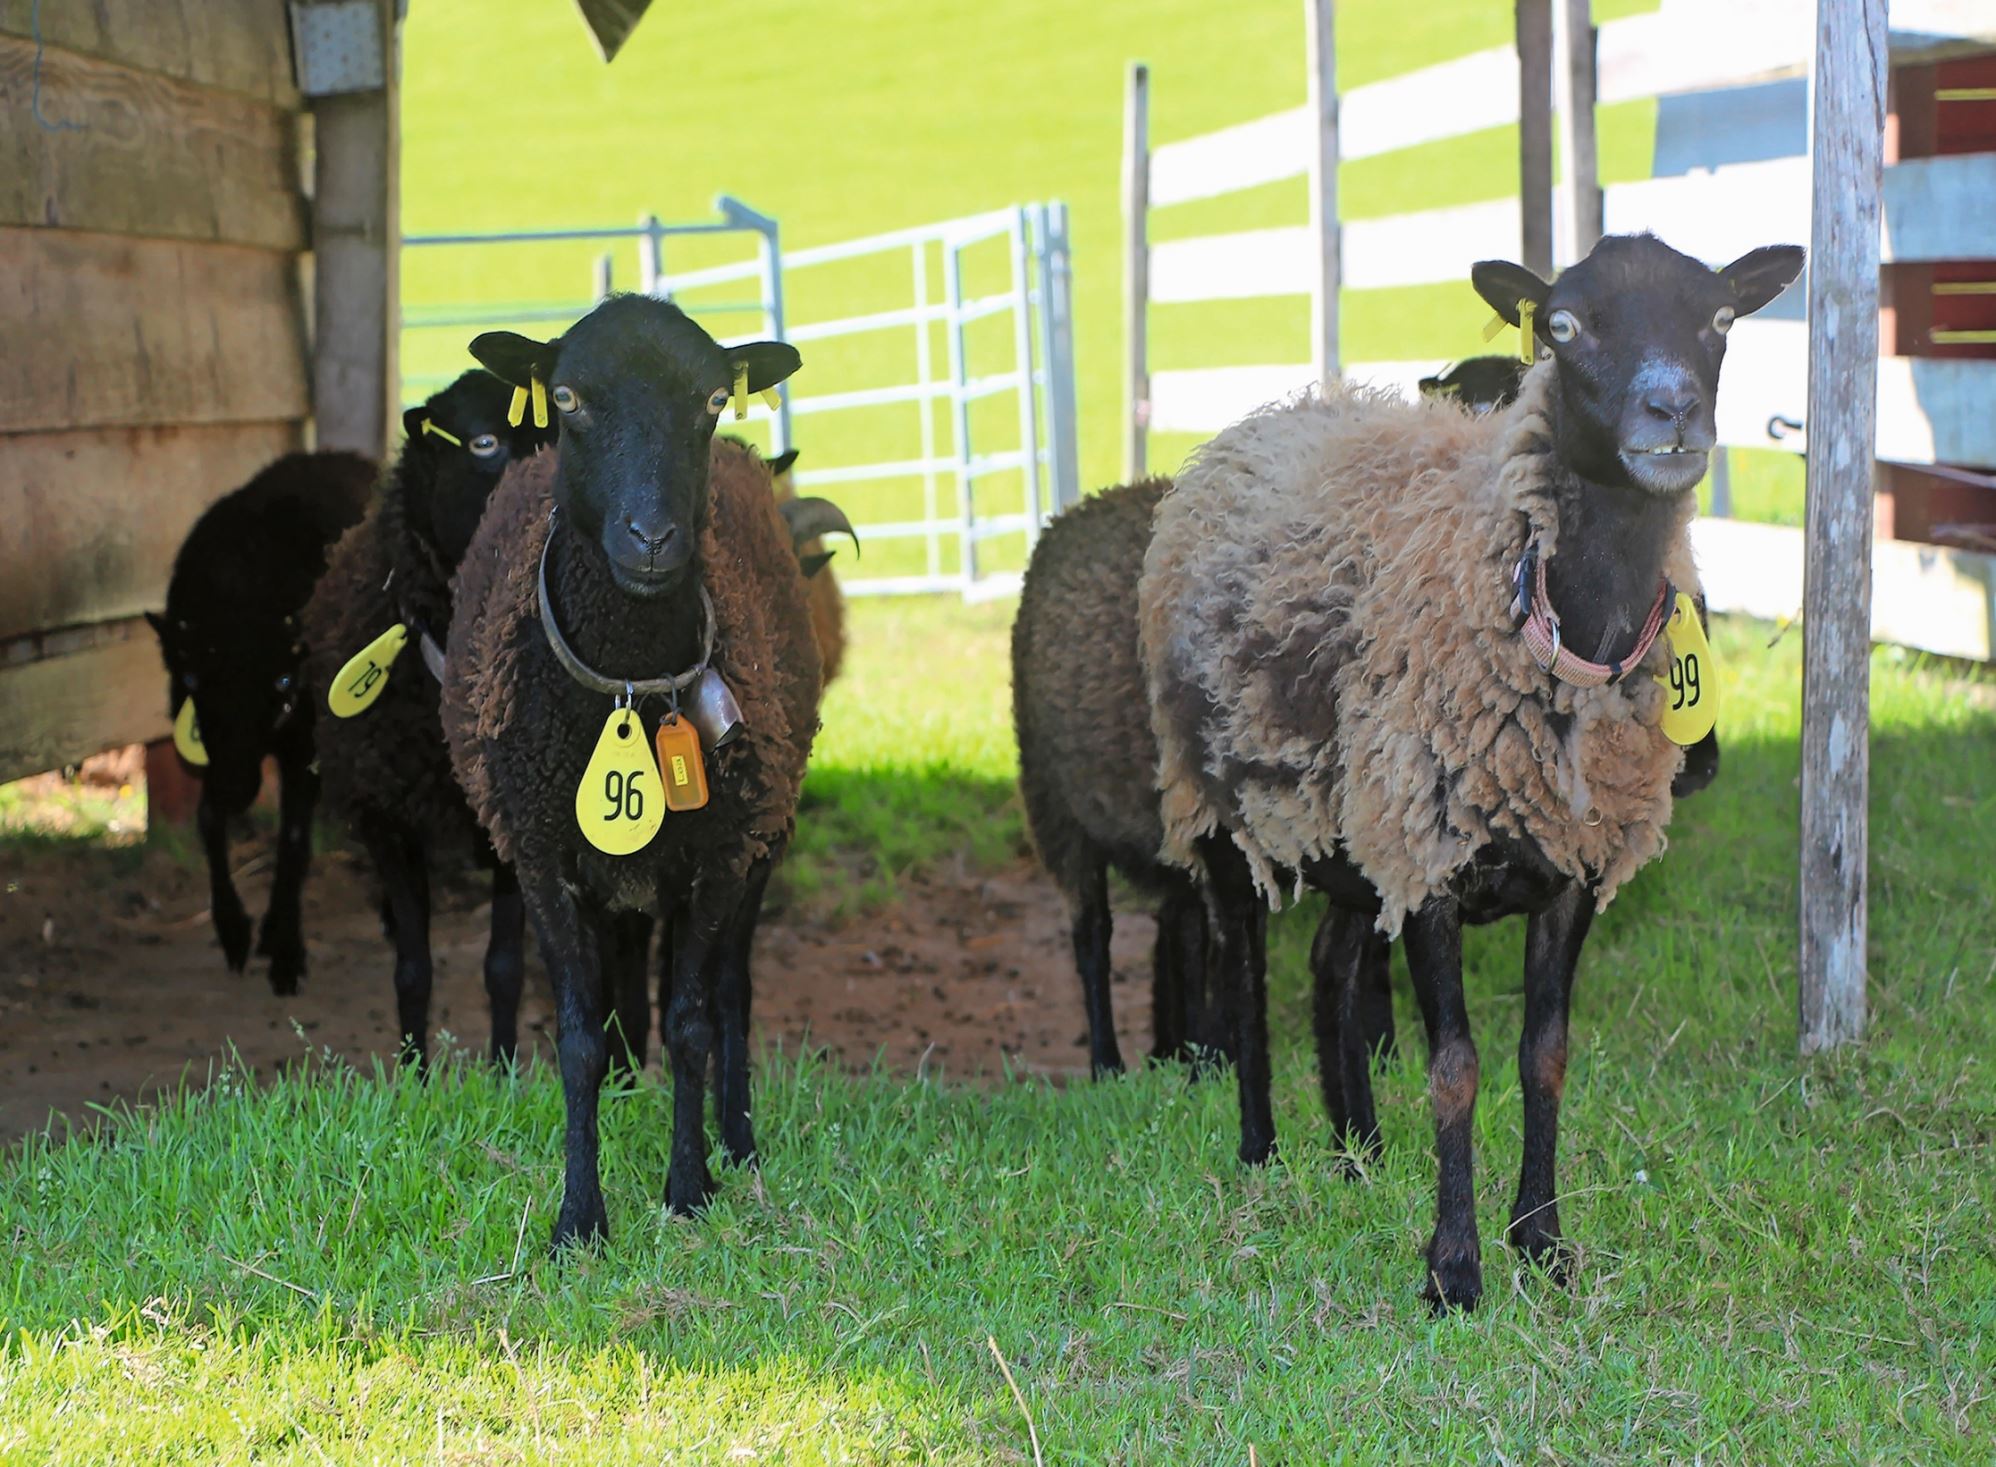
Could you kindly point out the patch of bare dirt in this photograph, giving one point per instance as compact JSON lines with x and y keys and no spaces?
{"x":112,"y":986}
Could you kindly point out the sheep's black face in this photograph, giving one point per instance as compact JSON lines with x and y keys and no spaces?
{"x":638,"y":389}
{"x":460,"y":444}
{"x":1639,"y":334}
{"x":244,"y":683}
{"x":1479,"y":384}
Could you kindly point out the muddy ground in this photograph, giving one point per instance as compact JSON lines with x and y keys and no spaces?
{"x":112,"y":985}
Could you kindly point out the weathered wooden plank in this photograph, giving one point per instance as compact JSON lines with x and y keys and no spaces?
{"x":234,"y":45}
{"x":94,"y":517}
{"x":63,"y":709}
{"x":100,"y":330}
{"x":1322,"y":71}
{"x":1136,"y":269}
{"x":1532,"y":24}
{"x":1847,"y":129}
{"x":140,"y":153}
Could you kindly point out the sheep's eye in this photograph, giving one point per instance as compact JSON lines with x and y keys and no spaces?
{"x":565,"y":399}
{"x":286,"y":683}
{"x":1722,"y":320}
{"x":487,"y":444}
{"x":1562,"y":327}
{"x":717,"y":399}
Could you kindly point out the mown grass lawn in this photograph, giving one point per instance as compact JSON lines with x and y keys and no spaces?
{"x":1778,"y":1261}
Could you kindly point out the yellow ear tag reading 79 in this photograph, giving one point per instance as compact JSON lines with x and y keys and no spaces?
{"x":1691,"y":687}
{"x":679,"y":760}
{"x":620,"y":804}
{"x":359,"y":683}
{"x":187,"y":735}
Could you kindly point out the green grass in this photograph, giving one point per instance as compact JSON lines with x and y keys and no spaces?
{"x":1778,"y":1260}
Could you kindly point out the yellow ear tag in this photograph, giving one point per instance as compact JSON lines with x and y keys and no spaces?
{"x":1497,"y":324}
{"x":741,"y":391}
{"x":772,"y":399}
{"x":1691,"y":687}
{"x":516,"y":410}
{"x":1528,"y":347}
{"x":540,"y":403}
{"x":449,"y":437}
{"x":620,"y":804}
{"x":187,"y":735}
{"x":679,"y":759}
{"x":359,"y":683}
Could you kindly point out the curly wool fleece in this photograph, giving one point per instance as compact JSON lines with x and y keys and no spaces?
{"x":1328,"y":643}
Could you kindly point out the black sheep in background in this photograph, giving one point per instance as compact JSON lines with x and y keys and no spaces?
{"x":230,"y":641}
{"x":387,"y":773}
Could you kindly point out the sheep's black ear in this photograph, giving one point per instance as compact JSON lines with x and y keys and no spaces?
{"x":515,"y":359}
{"x":768,"y":362}
{"x":1758,"y":276}
{"x":812,"y":564}
{"x":1503,"y":285}
{"x":781,"y":463}
{"x":1432,"y":387}
{"x":412,"y":421}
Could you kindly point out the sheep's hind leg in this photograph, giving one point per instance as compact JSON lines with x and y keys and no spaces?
{"x":626,"y":996}
{"x":1089,"y":904}
{"x":1242,"y":920}
{"x":1434,"y":957}
{"x":283,"y":936}
{"x":569,"y":946}
{"x":505,"y":961}
{"x":1342,"y":963}
{"x":400,"y":863}
{"x":232,"y":923}
{"x":733,"y":1000}
{"x":689,"y":1034}
{"x":1553,"y":940}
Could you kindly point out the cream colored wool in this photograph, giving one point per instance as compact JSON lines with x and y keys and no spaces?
{"x":1328,"y":644}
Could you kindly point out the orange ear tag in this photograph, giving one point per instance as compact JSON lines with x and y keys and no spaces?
{"x":680,"y":763}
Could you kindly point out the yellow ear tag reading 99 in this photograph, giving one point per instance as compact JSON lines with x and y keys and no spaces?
{"x":620,"y":804}
{"x":187,"y":735}
{"x":1691,"y":687}
{"x":359,"y":683}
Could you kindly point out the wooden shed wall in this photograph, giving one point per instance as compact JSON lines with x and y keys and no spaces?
{"x":153,"y":333}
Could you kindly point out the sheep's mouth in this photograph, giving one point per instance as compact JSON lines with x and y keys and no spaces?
{"x":1669,"y":468}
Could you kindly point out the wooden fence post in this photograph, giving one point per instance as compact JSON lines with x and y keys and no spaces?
{"x":1320,"y":23}
{"x":1573,"y":85}
{"x":1136,"y":268}
{"x":1846,"y":135}
{"x":1533,"y":20}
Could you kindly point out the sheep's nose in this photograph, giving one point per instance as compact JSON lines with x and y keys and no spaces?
{"x":655,"y":544}
{"x":1671,"y":404}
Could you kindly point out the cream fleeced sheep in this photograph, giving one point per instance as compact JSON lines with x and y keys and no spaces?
{"x":1329,"y":648}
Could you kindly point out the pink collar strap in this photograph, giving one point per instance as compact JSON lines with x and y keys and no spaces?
{"x":1538,"y":624}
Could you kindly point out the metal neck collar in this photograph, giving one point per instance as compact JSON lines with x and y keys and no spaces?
{"x":625,"y":690}
{"x":1538,"y":624}
{"x":433,"y":655}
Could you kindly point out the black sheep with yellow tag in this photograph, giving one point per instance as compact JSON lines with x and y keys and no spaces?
{"x":634,"y":582}
{"x":382,"y":758}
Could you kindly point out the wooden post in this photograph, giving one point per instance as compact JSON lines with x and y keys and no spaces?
{"x":1534,"y":30}
{"x":1136,"y":267}
{"x":1573,"y":86}
{"x":356,"y":234}
{"x":1320,"y":23}
{"x":1846,"y":133}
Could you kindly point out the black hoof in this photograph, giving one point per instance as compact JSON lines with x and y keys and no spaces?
{"x":685,"y":1198}
{"x":1537,"y":1238}
{"x":1455,"y":1281}
{"x":1104,"y":1069}
{"x":1257,"y":1152}
{"x":232,"y":926}
{"x":583,"y":1225}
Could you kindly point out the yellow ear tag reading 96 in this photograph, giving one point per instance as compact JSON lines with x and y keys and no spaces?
{"x":679,"y":760}
{"x":620,"y":804}
{"x":359,"y":683}
{"x":187,"y":735}
{"x":1691,"y":687}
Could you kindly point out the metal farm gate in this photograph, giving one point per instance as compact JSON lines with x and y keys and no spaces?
{"x":937,"y":403}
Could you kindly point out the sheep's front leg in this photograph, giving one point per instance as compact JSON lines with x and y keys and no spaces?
{"x":1172,"y":972}
{"x":733,"y":999}
{"x":1092,"y":927}
{"x":232,"y":923}
{"x":405,"y":886}
{"x":283,"y":936}
{"x":1434,"y":957}
{"x":626,"y":995}
{"x":505,"y":961}
{"x":1242,"y":920}
{"x":1346,"y":963}
{"x":689,"y":1033}
{"x":570,"y":947}
{"x":1553,"y":939}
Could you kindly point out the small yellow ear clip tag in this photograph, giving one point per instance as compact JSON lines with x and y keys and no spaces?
{"x":187,"y":735}
{"x":516,"y":410}
{"x":772,"y":399}
{"x":434,"y":431}
{"x":540,"y":403}
{"x":741,"y":391}
{"x":359,"y":683}
{"x":1528,"y":346}
{"x":1691,"y":687}
{"x":620,"y":803}
{"x":1497,"y":324}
